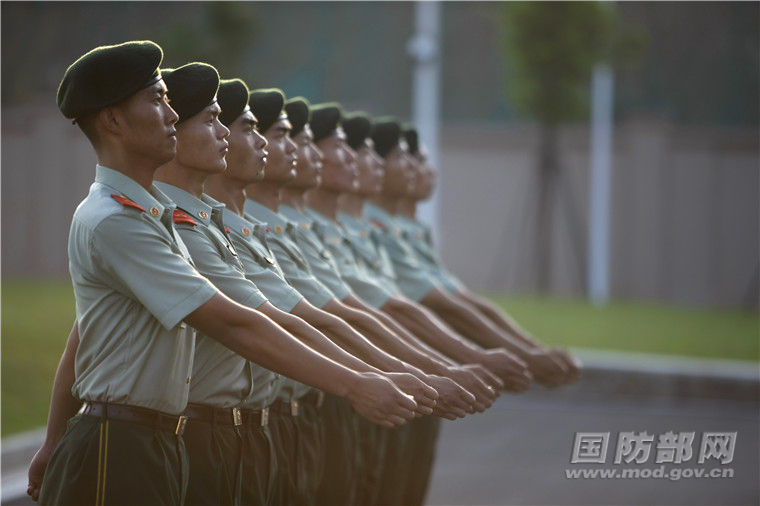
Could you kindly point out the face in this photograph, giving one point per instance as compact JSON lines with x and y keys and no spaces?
{"x":426,"y":176}
{"x":399,"y":174}
{"x":309,"y":163}
{"x":147,"y":122}
{"x":247,"y":154}
{"x":339,"y":173}
{"x":281,"y":160}
{"x":201,"y":141}
{"x":370,"y":167}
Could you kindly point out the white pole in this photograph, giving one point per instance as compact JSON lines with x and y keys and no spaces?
{"x":425,"y":49}
{"x":599,"y":191}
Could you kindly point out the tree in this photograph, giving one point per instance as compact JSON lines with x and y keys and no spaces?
{"x":551,"y":49}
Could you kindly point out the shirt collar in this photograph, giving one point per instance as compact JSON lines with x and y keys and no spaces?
{"x":154,"y":202}
{"x":188,"y":202}
{"x":277,"y":223}
{"x":239,"y":225}
{"x":375,"y":213}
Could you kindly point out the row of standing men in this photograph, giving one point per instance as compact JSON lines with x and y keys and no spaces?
{"x":260,"y":317}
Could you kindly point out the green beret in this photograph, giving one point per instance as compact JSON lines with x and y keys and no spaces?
{"x":386,"y":133}
{"x":267,"y":106}
{"x":412,"y":138}
{"x":298,"y":110}
{"x":192,"y":88}
{"x":325,"y":119}
{"x":233,"y":99}
{"x":357,"y":126}
{"x":107,"y":75}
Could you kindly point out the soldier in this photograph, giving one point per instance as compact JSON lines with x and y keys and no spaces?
{"x":137,"y":297}
{"x":419,"y":237}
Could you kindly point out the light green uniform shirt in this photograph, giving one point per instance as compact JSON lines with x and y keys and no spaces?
{"x":296,"y":271}
{"x":221,"y":377}
{"x":369,"y":255}
{"x":262,"y":268}
{"x":321,"y":261}
{"x":419,"y":238}
{"x":412,"y":278}
{"x":134,"y":284}
{"x":332,"y":235}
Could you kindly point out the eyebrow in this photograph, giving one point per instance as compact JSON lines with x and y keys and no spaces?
{"x":282,"y":129}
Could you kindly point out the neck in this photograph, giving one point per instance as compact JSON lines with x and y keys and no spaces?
{"x":142,"y":170}
{"x":265,"y":193}
{"x":323,"y":201}
{"x":351,"y":203}
{"x":388,"y":203}
{"x":407,"y":207}
{"x":293,"y":197}
{"x":190,"y":180}
{"x":228,"y":191}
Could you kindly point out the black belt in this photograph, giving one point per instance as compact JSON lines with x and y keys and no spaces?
{"x":256,"y":417}
{"x":315,"y":398}
{"x":144,"y":416}
{"x":210,"y":414}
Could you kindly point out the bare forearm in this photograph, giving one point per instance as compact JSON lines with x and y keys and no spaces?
{"x":499,"y":318}
{"x":63,"y":405}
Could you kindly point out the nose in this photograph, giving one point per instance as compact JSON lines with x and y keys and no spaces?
{"x":223,"y":131}
{"x":261,"y":141}
{"x":290,"y":146}
{"x":171,"y":115}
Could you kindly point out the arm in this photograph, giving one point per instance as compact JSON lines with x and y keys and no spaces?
{"x":63,"y":406}
{"x":258,"y":339}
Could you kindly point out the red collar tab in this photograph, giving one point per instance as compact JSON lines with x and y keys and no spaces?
{"x":379,"y":225}
{"x":183,"y":217}
{"x":126,"y":202}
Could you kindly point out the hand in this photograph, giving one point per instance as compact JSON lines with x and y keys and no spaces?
{"x":485,"y":393}
{"x":546,"y":368}
{"x":378,"y":400}
{"x":454,"y":401}
{"x":510,"y":369}
{"x":425,"y":395}
{"x":37,"y":471}
{"x":485,"y":376}
{"x":573,"y":365}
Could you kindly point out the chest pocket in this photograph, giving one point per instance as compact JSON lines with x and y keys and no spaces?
{"x":293,"y":254}
{"x":262,"y":255}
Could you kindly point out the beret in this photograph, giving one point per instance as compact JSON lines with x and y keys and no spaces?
{"x":192,"y":87}
{"x":386,"y":133}
{"x":267,"y":106}
{"x":298,"y":113}
{"x":325,"y":119}
{"x":357,"y":126}
{"x":233,"y":99}
{"x":107,"y":75}
{"x":412,"y":138}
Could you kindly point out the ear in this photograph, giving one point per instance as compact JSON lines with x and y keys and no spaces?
{"x":111,"y":120}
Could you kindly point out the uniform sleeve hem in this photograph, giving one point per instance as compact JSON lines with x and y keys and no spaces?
{"x":196,"y":299}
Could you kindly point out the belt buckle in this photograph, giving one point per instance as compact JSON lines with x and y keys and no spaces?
{"x":320,"y":399}
{"x":293,"y":407}
{"x":265,"y":417}
{"x":237,"y":419}
{"x":181,"y":422}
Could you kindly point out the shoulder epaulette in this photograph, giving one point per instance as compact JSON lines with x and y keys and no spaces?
{"x":126,"y":202}
{"x":183,"y":217}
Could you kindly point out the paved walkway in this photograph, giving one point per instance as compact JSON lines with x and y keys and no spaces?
{"x":518,"y":452}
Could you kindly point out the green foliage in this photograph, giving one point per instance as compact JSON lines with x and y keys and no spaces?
{"x":551,"y":49}
{"x":219,"y":35}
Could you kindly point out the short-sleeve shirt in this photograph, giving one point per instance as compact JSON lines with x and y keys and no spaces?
{"x":332,"y":235}
{"x":321,"y":261}
{"x":368,"y":254}
{"x":289,"y":256}
{"x":221,"y":377}
{"x":262,"y":268}
{"x":134,"y":284}
{"x":412,"y":278}
{"x":419,"y":238}
{"x":296,"y":271}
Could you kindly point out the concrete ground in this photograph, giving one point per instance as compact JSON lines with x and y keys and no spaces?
{"x":518,"y":452}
